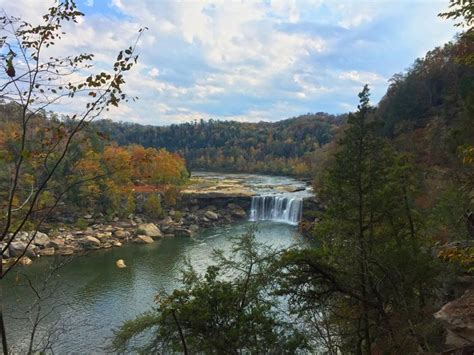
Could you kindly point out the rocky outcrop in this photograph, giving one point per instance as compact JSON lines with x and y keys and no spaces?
{"x":458,"y":319}
{"x":150,"y":230}
{"x":184,"y":220}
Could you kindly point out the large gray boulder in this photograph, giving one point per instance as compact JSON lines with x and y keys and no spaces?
{"x":89,"y":242}
{"x":150,"y":230}
{"x":17,"y":248}
{"x":41,"y":239}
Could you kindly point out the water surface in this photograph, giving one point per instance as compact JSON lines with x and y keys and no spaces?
{"x":93,"y":296}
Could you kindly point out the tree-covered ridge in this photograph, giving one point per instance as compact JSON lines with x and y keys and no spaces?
{"x":282,"y":147}
{"x":97,"y":175}
{"x":439,"y":86}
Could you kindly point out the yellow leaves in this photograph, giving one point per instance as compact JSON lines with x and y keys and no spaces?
{"x":461,"y":256}
{"x":467,"y":154}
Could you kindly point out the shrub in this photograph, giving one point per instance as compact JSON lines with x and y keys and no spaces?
{"x":152,"y":206}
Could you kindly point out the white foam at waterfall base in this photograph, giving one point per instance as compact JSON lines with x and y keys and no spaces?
{"x":279,"y":208}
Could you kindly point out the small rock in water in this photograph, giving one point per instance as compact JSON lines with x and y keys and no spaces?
{"x":24,"y":260}
{"x":120,"y":264}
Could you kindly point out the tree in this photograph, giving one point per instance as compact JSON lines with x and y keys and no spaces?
{"x":367,"y":283}
{"x":152,"y":207}
{"x":33,"y":81}
{"x":228,"y":310}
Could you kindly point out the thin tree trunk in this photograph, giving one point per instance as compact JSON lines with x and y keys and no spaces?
{"x":180,"y":331}
{"x":2,"y":323}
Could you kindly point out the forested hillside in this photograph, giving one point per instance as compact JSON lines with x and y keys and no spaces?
{"x":283,"y":147}
{"x":96,"y":176}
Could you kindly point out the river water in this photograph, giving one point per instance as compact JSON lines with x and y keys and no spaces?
{"x":91,"y":297}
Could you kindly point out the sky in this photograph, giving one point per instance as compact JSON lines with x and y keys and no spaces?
{"x":248,"y":60}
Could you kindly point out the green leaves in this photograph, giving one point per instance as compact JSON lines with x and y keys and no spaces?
{"x":229,"y":309}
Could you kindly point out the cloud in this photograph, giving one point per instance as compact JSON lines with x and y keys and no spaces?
{"x":250,"y":60}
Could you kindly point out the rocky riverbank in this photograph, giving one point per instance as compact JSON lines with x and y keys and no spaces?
{"x":98,"y":233}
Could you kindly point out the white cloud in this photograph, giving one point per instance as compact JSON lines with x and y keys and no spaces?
{"x":362,"y":77}
{"x":154,"y":72}
{"x":247,"y":60}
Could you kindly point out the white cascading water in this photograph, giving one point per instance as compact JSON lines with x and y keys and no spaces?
{"x":279,"y":208}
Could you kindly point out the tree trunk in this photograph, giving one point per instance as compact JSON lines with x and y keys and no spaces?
{"x":2,"y":323}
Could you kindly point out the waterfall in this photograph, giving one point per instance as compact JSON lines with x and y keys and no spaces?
{"x":279,"y":208}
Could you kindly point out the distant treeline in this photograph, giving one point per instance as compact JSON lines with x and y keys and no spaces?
{"x":282,"y":147}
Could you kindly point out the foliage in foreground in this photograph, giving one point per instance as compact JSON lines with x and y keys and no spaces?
{"x":372,"y":283}
{"x":227,"y":310}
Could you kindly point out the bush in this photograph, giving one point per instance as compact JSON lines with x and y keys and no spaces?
{"x":152,"y":206}
{"x":170,"y":196}
{"x":81,"y":223}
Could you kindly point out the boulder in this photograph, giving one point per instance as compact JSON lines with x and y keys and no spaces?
{"x":22,"y":237}
{"x":210,"y":215}
{"x":87,"y":216}
{"x":166,"y":221}
{"x":120,"y":264}
{"x":55,"y":243}
{"x":143,"y":239}
{"x":65,"y":251}
{"x":458,"y":319}
{"x":103,"y":235}
{"x":47,"y":252}
{"x":116,"y":243}
{"x":24,"y":260}
{"x":238,"y":212}
{"x":183,"y":232}
{"x":194,"y":228}
{"x":41,"y":239}
{"x":121,"y":234}
{"x":150,"y":230}
{"x":17,"y":248}
{"x":89,"y":243}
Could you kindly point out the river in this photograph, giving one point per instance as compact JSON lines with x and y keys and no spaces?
{"x":91,"y":296}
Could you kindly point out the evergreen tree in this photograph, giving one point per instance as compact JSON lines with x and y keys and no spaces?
{"x":369,"y":273}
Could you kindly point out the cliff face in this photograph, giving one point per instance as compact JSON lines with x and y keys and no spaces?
{"x":458,"y":318}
